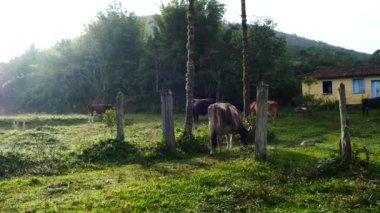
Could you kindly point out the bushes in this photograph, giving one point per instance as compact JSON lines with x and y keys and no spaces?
{"x":192,"y":145}
{"x":329,"y":104}
{"x":110,"y":151}
{"x":333,"y":164}
{"x":43,"y":162}
{"x":312,"y":101}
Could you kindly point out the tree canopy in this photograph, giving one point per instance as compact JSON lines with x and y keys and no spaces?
{"x":140,"y":56}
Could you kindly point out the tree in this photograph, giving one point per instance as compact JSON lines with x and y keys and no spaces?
{"x":309,"y":81}
{"x":171,"y":37}
{"x":190,"y":69}
{"x":116,"y":53}
{"x":245,"y":59}
{"x":267,"y":50}
{"x":375,"y":57}
{"x":112,"y":50}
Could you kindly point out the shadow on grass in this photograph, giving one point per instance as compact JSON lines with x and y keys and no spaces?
{"x":16,"y":164}
{"x":13,"y":164}
{"x":113,"y":152}
{"x":292,"y":163}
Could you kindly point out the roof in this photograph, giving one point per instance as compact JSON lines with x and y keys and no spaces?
{"x":346,"y":71}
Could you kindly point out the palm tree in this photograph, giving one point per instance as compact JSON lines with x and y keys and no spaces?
{"x":245,"y":59}
{"x":190,"y":69}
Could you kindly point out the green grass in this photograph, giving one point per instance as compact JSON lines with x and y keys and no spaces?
{"x":64,"y":164}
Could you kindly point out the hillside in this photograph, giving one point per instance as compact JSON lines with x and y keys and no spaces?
{"x":297,"y":42}
{"x":293,"y":41}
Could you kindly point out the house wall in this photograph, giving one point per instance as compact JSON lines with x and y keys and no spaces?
{"x":316,"y":89}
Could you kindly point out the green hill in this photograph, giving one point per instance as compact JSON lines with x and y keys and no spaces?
{"x":299,"y":43}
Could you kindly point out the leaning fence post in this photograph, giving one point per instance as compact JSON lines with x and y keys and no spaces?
{"x":119,"y":116}
{"x":345,"y":141}
{"x":261,"y":122}
{"x":167,"y":119}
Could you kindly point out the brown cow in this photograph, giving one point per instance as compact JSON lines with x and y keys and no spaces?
{"x":224,"y":119}
{"x":94,"y":109}
{"x":272,"y":109}
{"x":200,"y":107}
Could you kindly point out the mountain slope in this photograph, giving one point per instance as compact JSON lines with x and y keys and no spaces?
{"x":297,"y":42}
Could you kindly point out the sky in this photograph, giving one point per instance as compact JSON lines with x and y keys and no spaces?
{"x":351,"y":24}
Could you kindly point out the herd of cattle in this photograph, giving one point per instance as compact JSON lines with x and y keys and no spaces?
{"x":224,"y":118}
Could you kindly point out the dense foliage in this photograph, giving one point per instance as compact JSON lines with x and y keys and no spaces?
{"x":142,"y":55}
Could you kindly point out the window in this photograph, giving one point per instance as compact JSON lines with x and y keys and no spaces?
{"x":327,"y":87}
{"x":358,"y":86}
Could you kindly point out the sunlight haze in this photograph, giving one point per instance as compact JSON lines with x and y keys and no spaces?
{"x":348,"y":24}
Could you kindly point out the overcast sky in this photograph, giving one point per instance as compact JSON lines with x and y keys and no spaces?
{"x":351,"y":24}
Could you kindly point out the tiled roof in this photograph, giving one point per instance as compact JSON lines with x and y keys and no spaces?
{"x":346,"y":71}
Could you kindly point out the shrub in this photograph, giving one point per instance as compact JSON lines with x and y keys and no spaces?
{"x":329,"y":104}
{"x":333,"y":164}
{"x":191,"y":144}
{"x":109,"y":119}
{"x":251,"y":127}
{"x":110,"y":151}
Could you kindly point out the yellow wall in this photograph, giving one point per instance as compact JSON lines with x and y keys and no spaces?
{"x":316,"y":89}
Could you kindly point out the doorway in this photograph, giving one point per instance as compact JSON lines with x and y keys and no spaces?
{"x":375,"y":88}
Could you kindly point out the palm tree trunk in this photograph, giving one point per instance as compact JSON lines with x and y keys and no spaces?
{"x":190,"y":69}
{"x":245,"y":59}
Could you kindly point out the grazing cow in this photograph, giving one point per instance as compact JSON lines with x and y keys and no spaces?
{"x":200,"y":107}
{"x":224,"y":119}
{"x":370,"y":103}
{"x":272,"y":109}
{"x":98,"y":109}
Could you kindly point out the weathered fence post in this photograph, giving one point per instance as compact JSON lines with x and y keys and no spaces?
{"x":345,"y":142}
{"x":119,"y":116}
{"x":167,"y":119}
{"x":261,"y":122}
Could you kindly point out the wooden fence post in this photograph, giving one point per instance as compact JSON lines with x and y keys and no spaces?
{"x":345,"y":141}
{"x":167,"y":119}
{"x":119,"y":116}
{"x":261,"y":122}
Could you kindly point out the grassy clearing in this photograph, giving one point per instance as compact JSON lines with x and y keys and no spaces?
{"x":64,"y":164}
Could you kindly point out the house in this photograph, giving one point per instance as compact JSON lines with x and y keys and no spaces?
{"x":361,"y":81}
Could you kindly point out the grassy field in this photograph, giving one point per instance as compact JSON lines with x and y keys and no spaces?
{"x":61,"y":163}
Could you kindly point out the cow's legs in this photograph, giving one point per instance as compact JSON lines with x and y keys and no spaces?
{"x":91,"y":117}
{"x":229,"y":141}
{"x":93,"y":114}
{"x":214,"y":142}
